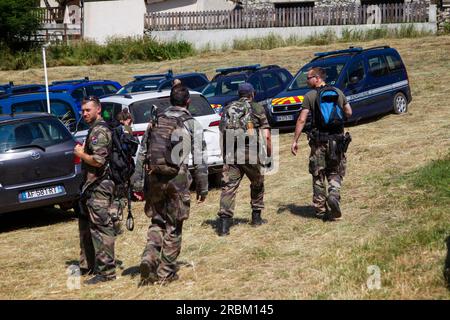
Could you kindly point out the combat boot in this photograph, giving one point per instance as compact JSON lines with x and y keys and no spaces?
{"x":168,"y":279}
{"x":148,"y":273}
{"x":334,"y":207}
{"x":223,"y":227}
{"x":256,"y":218}
{"x":447,"y":264}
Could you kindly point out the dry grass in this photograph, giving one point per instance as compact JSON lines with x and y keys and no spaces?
{"x":293,"y":256}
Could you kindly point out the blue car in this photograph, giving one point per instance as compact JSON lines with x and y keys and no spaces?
{"x":79,"y":89}
{"x":374,"y":81}
{"x":61,"y":105}
{"x":163,"y":81}
{"x":10,"y":88}
{"x":268,"y":81}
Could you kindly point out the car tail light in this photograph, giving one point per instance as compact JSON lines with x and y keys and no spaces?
{"x":214,"y":123}
{"x":138,"y":133}
{"x":76,"y":159}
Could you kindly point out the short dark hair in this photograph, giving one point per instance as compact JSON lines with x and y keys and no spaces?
{"x":179,"y":95}
{"x":320,"y":72}
{"x":93,"y":99}
{"x":123,"y":115}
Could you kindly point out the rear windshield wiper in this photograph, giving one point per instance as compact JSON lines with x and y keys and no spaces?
{"x":28,"y":146}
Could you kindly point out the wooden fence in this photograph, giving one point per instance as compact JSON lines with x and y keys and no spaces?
{"x":50,"y":15}
{"x":288,"y":17}
{"x":53,"y":29}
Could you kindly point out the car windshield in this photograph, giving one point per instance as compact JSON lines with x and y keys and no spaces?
{"x":224,"y":86}
{"x":141,"y":110}
{"x":148,"y":85}
{"x":333,"y":71}
{"x":35,"y":132}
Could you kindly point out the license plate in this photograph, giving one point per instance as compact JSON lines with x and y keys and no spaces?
{"x":285,"y":118}
{"x":40,"y":193}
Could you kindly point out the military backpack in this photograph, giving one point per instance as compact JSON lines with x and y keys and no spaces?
{"x":238,"y":115}
{"x":160,"y":157}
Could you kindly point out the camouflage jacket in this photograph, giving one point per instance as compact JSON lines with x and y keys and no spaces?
{"x":197,"y":149}
{"x":98,"y":145}
{"x":252,"y":149}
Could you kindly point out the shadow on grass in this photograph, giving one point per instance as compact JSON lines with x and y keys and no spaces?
{"x":33,"y":218}
{"x":131,"y":271}
{"x":301,"y":211}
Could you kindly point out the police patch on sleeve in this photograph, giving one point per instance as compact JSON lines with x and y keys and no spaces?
{"x":94,"y":140}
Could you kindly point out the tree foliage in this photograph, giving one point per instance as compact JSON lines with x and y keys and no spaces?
{"x":19,"y":19}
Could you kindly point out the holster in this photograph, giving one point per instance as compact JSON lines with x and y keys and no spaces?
{"x":347,"y":140}
{"x":315,"y":136}
{"x":334,"y":150}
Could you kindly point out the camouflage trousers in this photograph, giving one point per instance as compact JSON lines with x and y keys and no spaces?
{"x":167,"y":204}
{"x":97,"y":235}
{"x":232,"y":175}
{"x":322,"y":167}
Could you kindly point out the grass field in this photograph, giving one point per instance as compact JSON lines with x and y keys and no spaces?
{"x":395,"y":207}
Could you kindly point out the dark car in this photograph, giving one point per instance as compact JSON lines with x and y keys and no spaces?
{"x":158,"y":82}
{"x":83,"y":88}
{"x":268,"y":81}
{"x":11,"y":88}
{"x":374,"y":81}
{"x":37,"y":165}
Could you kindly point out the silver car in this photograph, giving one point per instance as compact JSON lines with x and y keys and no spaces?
{"x":37,"y":164}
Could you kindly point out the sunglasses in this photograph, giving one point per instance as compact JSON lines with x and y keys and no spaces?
{"x":309,"y":78}
{"x":91,"y":98}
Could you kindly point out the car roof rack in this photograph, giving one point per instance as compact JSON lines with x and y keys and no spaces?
{"x":336,"y":52}
{"x":74,"y":81}
{"x":7,"y":85}
{"x":270,"y":66}
{"x":237,"y":69}
{"x":168,"y":74}
{"x":377,"y":47}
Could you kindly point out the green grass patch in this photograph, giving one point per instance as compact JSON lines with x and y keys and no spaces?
{"x":115,"y":51}
{"x":272,"y":41}
{"x":422,"y":229}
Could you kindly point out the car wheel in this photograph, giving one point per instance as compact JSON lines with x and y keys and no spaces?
{"x":400,"y":103}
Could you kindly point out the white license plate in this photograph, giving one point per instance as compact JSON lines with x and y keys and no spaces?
{"x":43,"y":192}
{"x":285,"y":118}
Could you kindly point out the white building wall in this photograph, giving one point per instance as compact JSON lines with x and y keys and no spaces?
{"x":217,"y":38}
{"x":120,"y":18}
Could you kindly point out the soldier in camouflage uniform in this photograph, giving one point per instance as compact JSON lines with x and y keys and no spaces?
{"x":97,"y":235}
{"x":321,"y":164}
{"x":167,"y":194}
{"x":243,"y":159}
